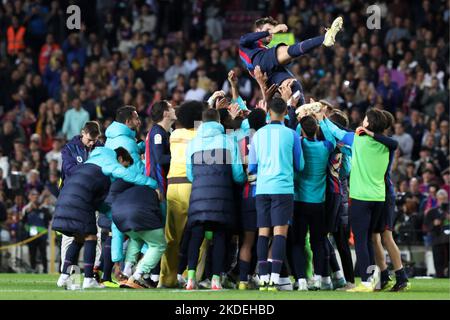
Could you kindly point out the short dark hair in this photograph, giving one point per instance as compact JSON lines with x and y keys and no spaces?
{"x":257,"y":119}
{"x":309,"y":126}
{"x":189,"y":112}
{"x":390,"y":120}
{"x":124,"y":154}
{"x":210,"y":115}
{"x":158,"y":109}
{"x":262,"y":21}
{"x":277,"y":105}
{"x":377,"y":120}
{"x":340,"y":118}
{"x":125,"y":113}
{"x":92,"y":128}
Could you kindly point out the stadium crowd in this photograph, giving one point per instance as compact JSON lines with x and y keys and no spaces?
{"x":53,"y":81}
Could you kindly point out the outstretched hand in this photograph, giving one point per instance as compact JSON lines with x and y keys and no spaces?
{"x":279,"y":28}
{"x":361,"y":131}
{"x":232,"y":78}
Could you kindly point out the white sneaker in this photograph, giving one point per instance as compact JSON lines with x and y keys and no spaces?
{"x":302,"y":285}
{"x":330,"y":35}
{"x":285,"y":284}
{"x":63,"y":280}
{"x":91,"y":283}
{"x":205,"y":284}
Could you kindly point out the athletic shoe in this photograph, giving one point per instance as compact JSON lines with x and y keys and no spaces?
{"x":243,"y":285}
{"x":326,"y":286}
{"x":285,"y":285}
{"x":348,"y":286}
{"x":148,"y":283}
{"x":91,"y":283}
{"x":330,"y":35}
{"x":302,"y":285}
{"x":216,"y":285}
{"x":339,"y":283}
{"x":121,"y":277}
{"x":181,"y":283}
{"x":401,"y":286}
{"x":263,"y":286}
{"x":110,"y":284}
{"x":385,"y":285}
{"x":362,"y":288}
{"x":205,"y":284}
{"x":253,"y":282}
{"x":63,"y":280}
{"x":132,"y":283}
{"x":272,"y":287}
{"x":313,"y":285}
{"x":97,"y":274}
{"x":227,"y":282}
{"x":191,"y":285}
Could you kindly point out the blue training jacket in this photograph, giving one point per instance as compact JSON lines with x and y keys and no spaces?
{"x":313,"y":178}
{"x":275,"y":153}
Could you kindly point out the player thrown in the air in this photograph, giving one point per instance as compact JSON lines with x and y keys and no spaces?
{"x":254,"y":52}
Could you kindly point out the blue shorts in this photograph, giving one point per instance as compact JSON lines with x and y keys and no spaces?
{"x":274,"y":209}
{"x":248,"y":214}
{"x":276,"y":72}
{"x":387,"y":218}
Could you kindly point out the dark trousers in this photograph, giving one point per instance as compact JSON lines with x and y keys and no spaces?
{"x":218,"y":243}
{"x":312,"y":216}
{"x":441,"y":259}
{"x":364,"y":216}
{"x":341,"y":238}
{"x":41,"y":245}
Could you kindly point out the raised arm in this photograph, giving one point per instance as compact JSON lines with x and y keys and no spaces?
{"x":390,"y":143}
{"x":299,"y":161}
{"x":344,"y":136}
{"x":249,"y":38}
{"x":252,"y":157}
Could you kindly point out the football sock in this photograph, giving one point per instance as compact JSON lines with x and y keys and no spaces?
{"x":244,"y":270}
{"x":89,"y":257}
{"x":127,"y":270}
{"x":262,"y":251}
{"x":384,"y":275}
{"x":72,"y":252}
{"x":304,"y":47}
{"x":107,"y":262}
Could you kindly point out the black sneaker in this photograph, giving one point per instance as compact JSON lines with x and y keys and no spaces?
{"x":149,"y":283}
{"x":401,"y":286}
{"x":385,"y":285}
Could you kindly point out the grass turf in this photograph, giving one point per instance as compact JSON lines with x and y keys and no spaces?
{"x":43,"y":287}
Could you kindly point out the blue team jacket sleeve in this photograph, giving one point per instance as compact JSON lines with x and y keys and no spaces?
{"x":69,"y":163}
{"x":299,"y":161}
{"x":342,"y":135}
{"x":250,"y":38}
{"x":241,"y":103}
{"x":189,"y":174}
{"x":292,"y":123}
{"x":330,"y":140}
{"x":141,"y":147}
{"x":237,"y":168}
{"x":252,"y":158}
{"x":390,"y":143}
{"x":115,"y":170}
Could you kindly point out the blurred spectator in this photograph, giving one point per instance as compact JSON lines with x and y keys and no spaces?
{"x":74,"y":119}
{"x":405,"y":142}
{"x":36,"y":220}
{"x":437,"y":224}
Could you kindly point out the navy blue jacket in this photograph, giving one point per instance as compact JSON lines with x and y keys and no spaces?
{"x":134,"y":208}
{"x":81,"y":195}
{"x":73,"y":154}
{"x":213,"y":164}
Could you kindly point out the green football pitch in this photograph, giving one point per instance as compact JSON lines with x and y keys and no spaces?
{"x":43,"y":287}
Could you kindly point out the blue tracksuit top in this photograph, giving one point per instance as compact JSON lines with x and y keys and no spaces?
{"x":275,"y":154}
{"x":312,"y":180}
{"x":106,"y":159}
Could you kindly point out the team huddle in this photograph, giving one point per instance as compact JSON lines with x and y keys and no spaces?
{"x":223,"y":196}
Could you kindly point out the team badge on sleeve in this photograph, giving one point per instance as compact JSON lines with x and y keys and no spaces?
{"x":79,"y":159}
{"x":158,"y":138}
